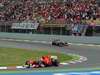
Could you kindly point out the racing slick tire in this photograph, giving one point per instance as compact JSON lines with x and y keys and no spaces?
{"x":53,"y":43}
{"x":55,"y":63}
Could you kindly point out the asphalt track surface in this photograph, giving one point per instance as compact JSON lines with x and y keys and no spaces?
{"x":91,"y":52}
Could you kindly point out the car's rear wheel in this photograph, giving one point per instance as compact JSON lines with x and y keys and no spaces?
{"x":55,"y":63}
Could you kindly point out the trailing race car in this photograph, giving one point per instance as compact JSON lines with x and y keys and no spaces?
{"x":45,"y":61}
{"x":59,"y":43}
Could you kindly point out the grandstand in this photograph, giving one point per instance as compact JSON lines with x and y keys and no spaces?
{"x":64,"y":17}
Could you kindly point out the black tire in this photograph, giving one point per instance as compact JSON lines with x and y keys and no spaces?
{"x":53,"y":43}
{"x":55,"y":63}
{"x":28,"y":65}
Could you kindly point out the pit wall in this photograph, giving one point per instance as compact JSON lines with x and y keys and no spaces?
{"x":41,"y":37}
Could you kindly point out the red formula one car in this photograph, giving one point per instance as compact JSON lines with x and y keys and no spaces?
{"x":45,"y":61}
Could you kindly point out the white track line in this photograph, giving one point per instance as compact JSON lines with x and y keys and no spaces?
{"x":82,"y":58}
{"x":3,"y":68}
{"x":46,"y":42}
{"x":79,"y":44}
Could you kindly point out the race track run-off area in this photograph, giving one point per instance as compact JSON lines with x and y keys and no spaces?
{"x":90,"y":54}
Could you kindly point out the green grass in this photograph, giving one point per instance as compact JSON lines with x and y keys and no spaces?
{"x":15,"y":56}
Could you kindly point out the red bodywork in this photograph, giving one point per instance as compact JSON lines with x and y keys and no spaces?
{"x":46,"y":60}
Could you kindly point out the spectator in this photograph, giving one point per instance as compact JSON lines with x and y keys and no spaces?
{"x":24,"y":10}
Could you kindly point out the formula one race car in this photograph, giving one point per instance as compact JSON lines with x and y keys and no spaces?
{"x":59,"y":43}
{"x":45,"y":61}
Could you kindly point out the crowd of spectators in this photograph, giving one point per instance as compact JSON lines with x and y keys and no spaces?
{"x":72,"y":10}
{"x":74,"y":13}
{"x":17,"y":10}
{"x":69,"y":10}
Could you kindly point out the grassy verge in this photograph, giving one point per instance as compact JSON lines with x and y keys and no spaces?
{"x":15,"y":56}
